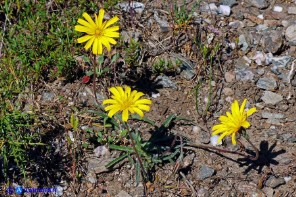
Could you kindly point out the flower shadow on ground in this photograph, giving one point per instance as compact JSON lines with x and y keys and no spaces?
{"x":266,"y":158}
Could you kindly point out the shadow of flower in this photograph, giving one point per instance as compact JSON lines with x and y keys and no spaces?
{"x":266,"y":158}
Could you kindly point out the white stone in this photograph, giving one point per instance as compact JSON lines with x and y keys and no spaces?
{"x":287,"y":179}
{"x":214,"y":140}
{"x":224,"y":10}
{"x":260,"y":16}
{"x":259,"y":58}
{"x":155,"y":95}
{"x":277,"y":8}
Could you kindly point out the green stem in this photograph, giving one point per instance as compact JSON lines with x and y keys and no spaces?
{"x":143,"y":171}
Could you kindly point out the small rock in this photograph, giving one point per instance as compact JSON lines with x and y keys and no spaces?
{"x":205,"y":172}
{"x":271,"y":98}
{"x":48,"y":96}
{"x":101,"y":151}
{"x":261,"y":27}
{"x":123,"y":194}
{"x":260,"y":71}
{"x":236,"y":24}
{"x":188,"y":160}
{"x":261,"y":4}
{"x":214,"y":140}
{"x":260,"y":16}
{"x":165,"y":82}
{"x":229,"y":77}
{"x":163,"y":24}
{"x":196,"y":129}
{"x":243,"y":42}
{"x":211,"y":8}
{"x":274,"y":182}
{"x":280,"y":62}
{"x":243,"y":63}
{"x":203,"y":192}
{"x":287,"y":179}
{"x":291,"y":10}
{"x":228,"y":91}
{"x":91,"y":177}
{"x":224,"y":10}
{"x":272,"y":115}
{"x":272,"y":41}
{"x":259,"y":58}
{"x":277,"y":8}
{"x":132,"y":5}
{"x":97,"y":165}
{"x":290,"y":34}
{"x":155,"y":95}
{"x":244,"y":75}
{"x":228,"y":2}
{"x":59,"y":190}
{"x":267,"y":84}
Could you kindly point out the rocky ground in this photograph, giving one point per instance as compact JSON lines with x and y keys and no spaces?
{"x":256,"y":60}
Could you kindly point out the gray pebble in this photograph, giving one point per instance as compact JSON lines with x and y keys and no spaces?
{"x":274,"y":182}
{"x":267,"y":84}
{"x":205,"y":172}
{"x":271,"y":98}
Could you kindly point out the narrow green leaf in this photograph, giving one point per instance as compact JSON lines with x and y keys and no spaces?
{"x":117,"y":160}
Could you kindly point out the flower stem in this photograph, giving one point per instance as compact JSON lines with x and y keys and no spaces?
{"x":143,"y":171}
{"x":204,"y":147}
{"x":95,"y":78}
{"x":255,"y":149}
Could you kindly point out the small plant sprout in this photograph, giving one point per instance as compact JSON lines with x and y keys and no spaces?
{"x":234,"y":121}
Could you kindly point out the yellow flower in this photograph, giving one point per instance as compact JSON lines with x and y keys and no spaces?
{"x":233,"y":122}
{"x":126,"y":101}
{"x":99,"y":33}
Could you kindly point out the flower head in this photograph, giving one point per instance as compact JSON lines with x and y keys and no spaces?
{"x":233,"y":122}
{"x":126,"y":101}
{"x":99,"y":33}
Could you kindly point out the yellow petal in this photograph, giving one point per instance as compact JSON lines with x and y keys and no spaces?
{"x":144,"y":107}
{"x":85,"y":23}
{"x":138,"y":111}
{"x":125,"y":115}
{"x":82,"y":28}
{"x":251,"y":111}
{"x":143,"y":101}
{"x":222,"y":136}
{"x":106,"y":43}
{"x":137,"y":96}
{"x":110,"y":107}
{"x":246,"y":124}
{"x":110,"y":40}
{"x":100,"y":47}
{"x":111,"y":34}
{"x":115,"y":92}
{"x":112,"y":29}
{"x":84,"y":38}
{"x":99,"y":20}
{"x":95,"y":47}
{"x":89,"y":19}
{"x":127,"y":91}
{"x":235,"y":109}
{"x":109,"y":101}
{"x":111,"y":21}
{"x":242,"y":108}
{"x":89,"y":43}
{"x":121,"y":92}
{"x":233,"y":139}
{"x":112,"y":112}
